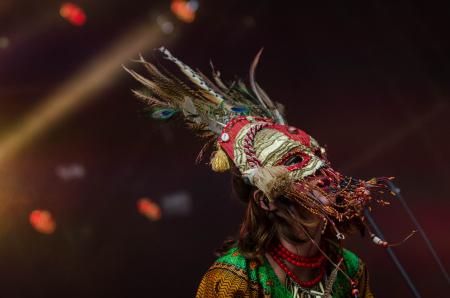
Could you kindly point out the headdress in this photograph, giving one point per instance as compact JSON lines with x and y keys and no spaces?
{"x":251,"y":133}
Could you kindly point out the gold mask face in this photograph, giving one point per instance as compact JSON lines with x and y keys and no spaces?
{"x":274,"y":148}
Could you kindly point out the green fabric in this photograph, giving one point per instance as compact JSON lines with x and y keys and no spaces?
{"x":341,"y":286}
{"x":266,"y":277}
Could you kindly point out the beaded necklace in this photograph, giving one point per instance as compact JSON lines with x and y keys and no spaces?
{"x":300,"y":288}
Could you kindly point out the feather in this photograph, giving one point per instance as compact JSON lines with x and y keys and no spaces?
{"x":331,"y":280}
{"x":168,"y":83}
{"x":194,"y":77}
{"x":163,"y":114}
{"x":151,"y":101}
{"x":272,"y":181}
{"x":191,"y":113}
{"x":213,"y":86}
{"x":253,"y":82}
{"x":154,"y":88}
{"x":262,"y":96}
{"x":272,"y":106}
{"x":189,"y":107}
{"x":152,"y":69}
{"x":181,"y":87}
{"x":240,"y":110}
{"x":217,"y":79}
{"x":265,"y":97}
{"x":206,"y":104}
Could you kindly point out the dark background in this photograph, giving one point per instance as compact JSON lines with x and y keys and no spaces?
{"x":368,"y":79}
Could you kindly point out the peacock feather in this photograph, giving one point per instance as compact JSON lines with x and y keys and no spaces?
{"x":207,"y":105}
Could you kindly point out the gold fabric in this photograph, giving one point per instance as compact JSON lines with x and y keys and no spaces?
{"x":225,"y":280}
{"x":270,"y":147}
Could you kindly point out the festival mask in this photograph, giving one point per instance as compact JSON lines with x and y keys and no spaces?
{"x":282,"y":160}
{"x":249,"y":131}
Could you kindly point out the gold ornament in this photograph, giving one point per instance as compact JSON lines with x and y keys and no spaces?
{"x":220,"y":162}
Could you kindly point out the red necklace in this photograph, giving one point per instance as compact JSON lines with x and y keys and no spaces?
{"x":280,"y":254}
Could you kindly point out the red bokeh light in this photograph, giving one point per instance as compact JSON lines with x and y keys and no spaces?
{"x":183,"y":10}
{"x":149,"y":209}
{"x":42,"y":221}
{"x":73,"y":13}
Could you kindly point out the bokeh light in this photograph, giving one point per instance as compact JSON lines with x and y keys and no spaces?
{"x":177,"y":204}
{"x":73,"y":13}
{"x":185,"y":10}
{"x":149,"y":209}
{"x":4,"y":42}
{"x":42,"y":221}
{"x":164,"y":24}
{"x":70,"y":172}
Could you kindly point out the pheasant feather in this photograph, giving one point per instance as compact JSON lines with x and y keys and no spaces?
{"x":206,"y":104}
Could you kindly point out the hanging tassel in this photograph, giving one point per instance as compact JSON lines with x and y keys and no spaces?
{"x":219,"y":161}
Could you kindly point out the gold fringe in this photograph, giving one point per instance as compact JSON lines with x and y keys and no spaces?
{"x":219,"y":161}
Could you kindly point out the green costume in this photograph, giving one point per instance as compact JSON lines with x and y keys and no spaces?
{"x":232,"y":275}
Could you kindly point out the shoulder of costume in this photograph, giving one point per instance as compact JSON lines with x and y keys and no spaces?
{"x":255,"y":271}
{"x":229,"y":276}
{"x":233,"y":257}
{"x":235,"y":261}
{"x":354,"y":265}
{"x":234,"y":265}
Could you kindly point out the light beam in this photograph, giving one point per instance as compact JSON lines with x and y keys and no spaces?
{"x":80,"y":89}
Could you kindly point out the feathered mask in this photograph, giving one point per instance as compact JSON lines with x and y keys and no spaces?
{"x":249,"y":130}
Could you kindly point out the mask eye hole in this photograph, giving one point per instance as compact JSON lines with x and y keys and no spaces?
{"x":295,"y":159}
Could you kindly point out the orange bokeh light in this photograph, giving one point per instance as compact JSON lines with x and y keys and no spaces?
{"x":149,"y":209}
{"x":73,"y":13}
{"x":42,"y":221}
{"x":183,"y":10}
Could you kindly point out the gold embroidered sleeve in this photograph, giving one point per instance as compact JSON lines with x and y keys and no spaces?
{"x":223,"y":280}
{"x":364,"y":287}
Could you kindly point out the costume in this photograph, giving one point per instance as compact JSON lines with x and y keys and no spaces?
{"x":251,"y":134}
{"x":233,"y":273}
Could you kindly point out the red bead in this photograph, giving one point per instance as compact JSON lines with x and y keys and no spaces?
{"x":355,"y":292}
{"x":284,"y":267}
{"x":299,"y":261}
